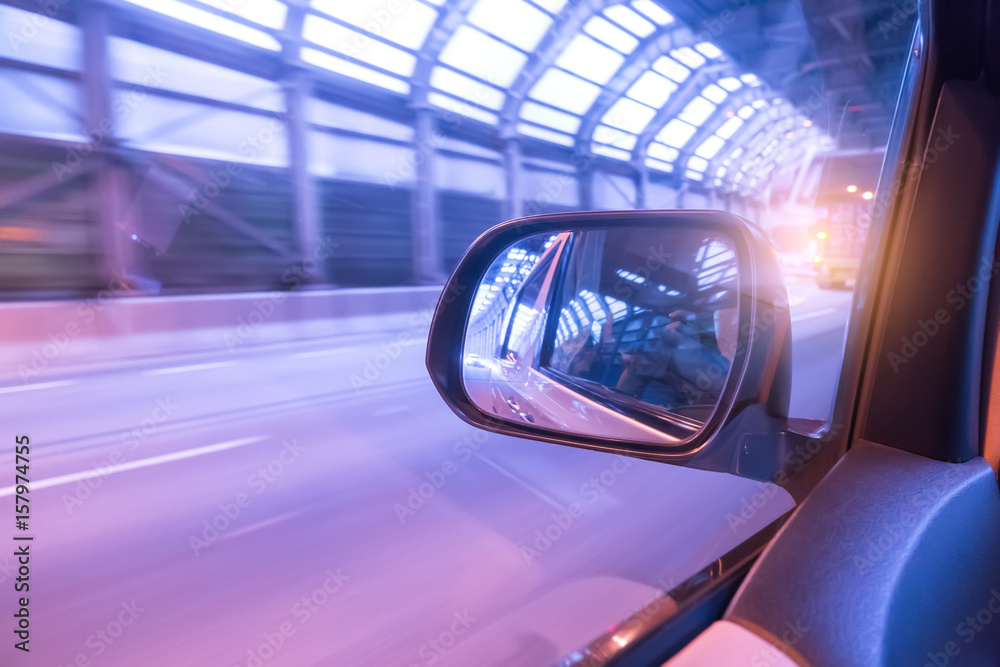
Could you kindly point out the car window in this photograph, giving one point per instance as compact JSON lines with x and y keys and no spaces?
{"x":224,"y":232}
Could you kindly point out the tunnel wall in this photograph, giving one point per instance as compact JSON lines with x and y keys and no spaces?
{"x":55,"y":336}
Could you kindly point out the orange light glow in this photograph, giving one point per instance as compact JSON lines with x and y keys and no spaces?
{"x":817,"y":259}
{"x":868,"y":196}
{"x":852,"y":188}
{"x":807,"y":123}
{"x":821,"y":235}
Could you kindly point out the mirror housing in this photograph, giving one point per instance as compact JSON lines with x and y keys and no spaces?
{"x":746,"y":433}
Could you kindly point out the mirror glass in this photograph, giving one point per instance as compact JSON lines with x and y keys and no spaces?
{"x":626,"y":332}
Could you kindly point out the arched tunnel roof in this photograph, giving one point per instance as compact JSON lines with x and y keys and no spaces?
{"x":622,"y":79}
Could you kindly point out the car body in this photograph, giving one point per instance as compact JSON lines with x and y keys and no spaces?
{"x":890,"y":554}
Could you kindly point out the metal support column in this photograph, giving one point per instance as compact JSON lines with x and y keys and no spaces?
{"x":311,"y":251}
{"x":585,"y":180}
{"x":111,"y":184}
{"x":514,"y":179}
{"x":428,"y":265}
{"x":641,"y":178}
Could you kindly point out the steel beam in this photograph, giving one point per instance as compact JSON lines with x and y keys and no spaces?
{"x":428,"y":265}
{"x":305,"y":201}
{"x":514,"y":179}
{"x":111,"y":186}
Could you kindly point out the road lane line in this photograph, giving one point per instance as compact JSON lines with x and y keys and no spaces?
{"x":135,"y":465}
{"x":321,"y":353}
{"x":40,"y":385}
{"x":518,"y":480}
{"x":257,"y":526}
{"x":818,"y":313}
{"x":192,"y":367}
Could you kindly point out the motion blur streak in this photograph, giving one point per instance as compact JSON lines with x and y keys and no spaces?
{"x":370,"y":527}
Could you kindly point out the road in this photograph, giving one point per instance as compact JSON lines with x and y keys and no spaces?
{"x":311,"y":505}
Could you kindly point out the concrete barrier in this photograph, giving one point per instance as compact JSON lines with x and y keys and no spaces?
{"x":39,"y":340}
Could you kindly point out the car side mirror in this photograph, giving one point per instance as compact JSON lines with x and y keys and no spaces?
{"x":658,"y":334}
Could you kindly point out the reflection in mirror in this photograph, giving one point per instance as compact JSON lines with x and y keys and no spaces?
{"x":627,"y":333}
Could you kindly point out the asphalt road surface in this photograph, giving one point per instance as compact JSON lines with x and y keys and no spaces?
{"x":318,"y":504}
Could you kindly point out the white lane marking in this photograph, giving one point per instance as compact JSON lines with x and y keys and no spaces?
{"x":817,"y":313}
{"x":391,"y":411}
{"x":520,"y":481}
{"x":192,"y":367}
{"x":40,"y":385}
{"x":257,"y":526}
{"x":135,"y":465}
{"x":796,"y":300}
{"x":321,"y":353}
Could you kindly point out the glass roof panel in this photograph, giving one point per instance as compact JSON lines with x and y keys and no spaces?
{"x":630,"y":20}
{"x":750,"y":79}
{"x":652,"y":89}
{"x":730,"y":83}
{"x":513,"y":21}
{"x":614,"y":137}
{"x":354,"y":70}
{"x":542,"y":133}
{"x":589,"y":59}
{"x":688,"y":56}
{"x":554,"y":6}
{"x":697,"y":163}
{"x":661,"y":152}
{"x":745,"y":112}
{"x":461,"y":107}
{"x":657,"y":164}
{"x":653,"y":11}
{"x":563,"y":90}
{"x":213,"y":22}
{"x":629,"y":115}
{"x":475,"y":52}
{"x":270,"y":13}
{"x":728,"y":129}
{"x":463,"y":87}
{"x":608,"y":151}
{"x":708,"y":50}
{"x":710,"y":148}
{"x":404,"y":22}
{"x":611,"y":34}
{"x":714,"y":93}
{"x":543,"y":115}
{"x":697,"y":111}
{"x":676,"y":133}
{"x":671,"y":69}
{"x":338,"y":38}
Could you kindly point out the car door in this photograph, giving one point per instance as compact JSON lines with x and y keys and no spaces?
{"x":891,"y":558}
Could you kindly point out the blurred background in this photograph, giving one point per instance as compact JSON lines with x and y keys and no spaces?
{"x":224,"y":226}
